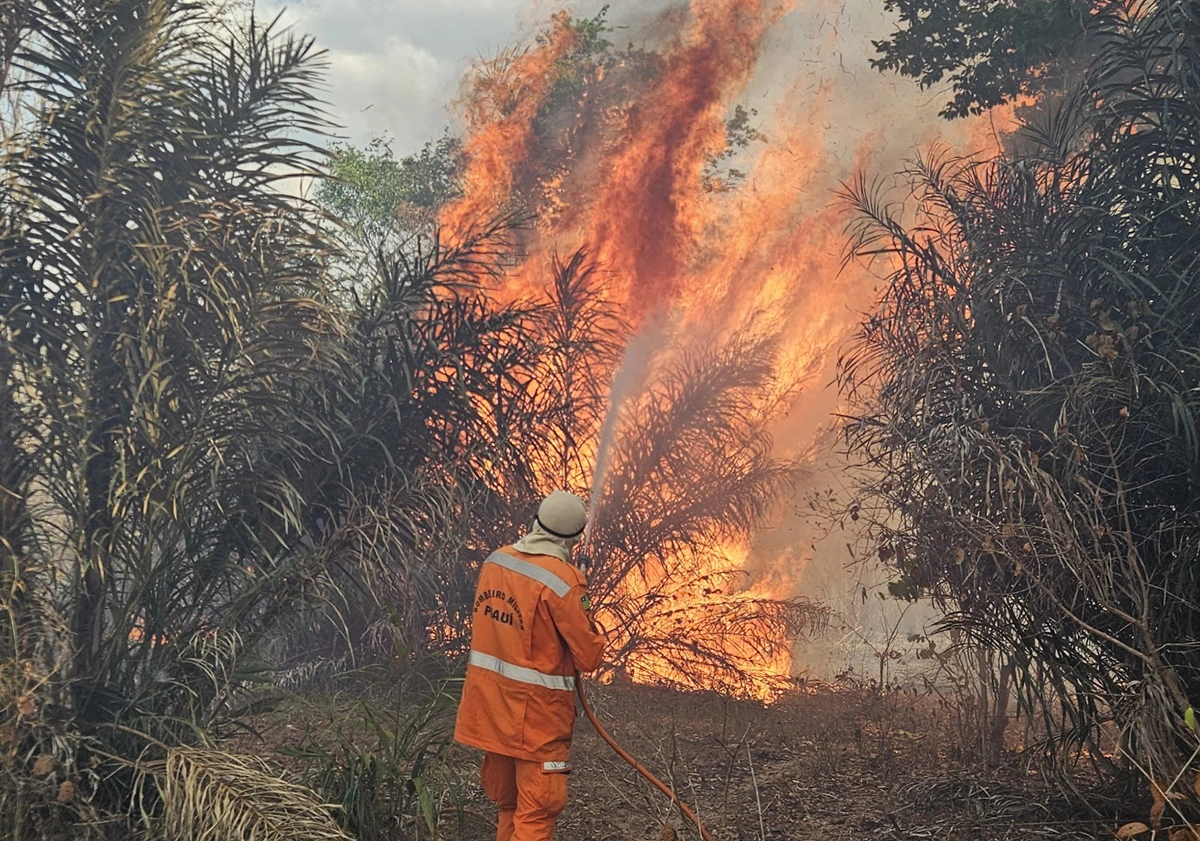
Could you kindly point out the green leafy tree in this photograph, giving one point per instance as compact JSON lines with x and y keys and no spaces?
{"x":990,"y":50}
{"x":383,"y":199}
{"x":718,"y":173}
{"x":590,"y":51}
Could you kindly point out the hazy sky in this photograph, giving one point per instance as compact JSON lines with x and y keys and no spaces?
{"x":394,"y":65}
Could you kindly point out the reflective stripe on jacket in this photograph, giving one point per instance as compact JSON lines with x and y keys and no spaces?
{"x":530,"y":631}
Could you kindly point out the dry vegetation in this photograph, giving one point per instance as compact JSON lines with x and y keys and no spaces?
{"x":840,"y":762}
{"x":239,"y":458}
{"x":249,"y":456}
{"x":1027,"y":397}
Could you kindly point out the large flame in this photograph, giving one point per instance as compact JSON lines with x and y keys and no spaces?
{"x":621,"y":160}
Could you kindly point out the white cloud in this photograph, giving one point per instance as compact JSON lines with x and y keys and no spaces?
{"x":394,"y":65}
{"x":392,"y":91}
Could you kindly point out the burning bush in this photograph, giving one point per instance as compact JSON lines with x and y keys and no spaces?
{"x":692,"y":475}
{"x":567,"y":135}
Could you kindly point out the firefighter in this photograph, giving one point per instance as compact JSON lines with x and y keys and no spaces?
{"x":531,"y":630}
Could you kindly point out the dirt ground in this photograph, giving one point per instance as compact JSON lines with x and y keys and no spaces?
{"x":830,"y":765}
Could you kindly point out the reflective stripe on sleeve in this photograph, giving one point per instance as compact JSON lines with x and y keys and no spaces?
{"x":525,"y":568}
{"x":551,"y":767}
{"x":520,"y":673}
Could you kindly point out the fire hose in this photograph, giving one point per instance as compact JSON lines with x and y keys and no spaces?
{"x":637,"y":766}
{"x":585,"y":561}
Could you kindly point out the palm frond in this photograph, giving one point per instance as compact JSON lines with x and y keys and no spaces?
{"x":209,"y":794}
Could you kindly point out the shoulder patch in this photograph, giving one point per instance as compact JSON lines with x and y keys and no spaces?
{"x":586,"y":601}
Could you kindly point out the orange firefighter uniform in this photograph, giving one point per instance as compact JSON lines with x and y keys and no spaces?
{"x":531,"y":630}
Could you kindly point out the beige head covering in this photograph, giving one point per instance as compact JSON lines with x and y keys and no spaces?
{"x":557,"y":528}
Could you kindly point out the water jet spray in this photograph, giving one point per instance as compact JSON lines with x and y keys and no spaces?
{"x":628,"y":380}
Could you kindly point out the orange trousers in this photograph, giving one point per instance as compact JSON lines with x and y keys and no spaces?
{"x":530,"y":799}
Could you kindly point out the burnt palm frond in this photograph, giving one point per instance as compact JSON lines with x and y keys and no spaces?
{"x":692,"y":475}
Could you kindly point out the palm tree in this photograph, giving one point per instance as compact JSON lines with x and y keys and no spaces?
{"x":1028,"y":395}
{"x":693,"y":472}
{"x":162,"y":305}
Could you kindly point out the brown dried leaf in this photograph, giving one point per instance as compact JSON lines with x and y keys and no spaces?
{"x":1160,"y":804}
{"x":43,"y":765}
{"x":668,"y":834}
{"x":66,"y":792}
{"x":26,"y":706}
{"x":1129,"y":830}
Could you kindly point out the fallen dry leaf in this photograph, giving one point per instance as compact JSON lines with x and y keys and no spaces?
{"x":1160,"y":804}
{"x":668,"y":834}
{"x":1129,"y":830}
{"x":43,"y":765}
{"x":66,"y":792}
{"x":26,"y":706}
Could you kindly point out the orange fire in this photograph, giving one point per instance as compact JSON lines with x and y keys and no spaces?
{"x":613,"y":155}
{"x":500,"y":105}
{"x":713,"y":615}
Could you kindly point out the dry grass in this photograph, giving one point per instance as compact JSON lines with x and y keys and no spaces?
{"x":840,"y":763}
